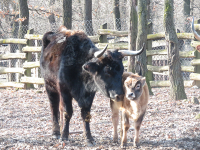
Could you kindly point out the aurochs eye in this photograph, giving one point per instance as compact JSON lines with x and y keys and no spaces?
{"x":137,"y":87}
{"x":107,"y":71}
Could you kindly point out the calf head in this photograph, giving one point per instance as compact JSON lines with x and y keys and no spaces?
{"x":134,"y":87}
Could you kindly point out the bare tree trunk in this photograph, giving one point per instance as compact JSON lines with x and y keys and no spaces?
{"x":81,"y":10}
{"x":116,"y":15}
{"x":141,"y":59}
{"x":177,"y":91}
{"x":187,"y":28}
{"x":148,"y":10}
{"x":67,"y":13}
{"x":192,"y":8}
{"x":87,"y":13}
{"x":52,"y":21}
{"x":186,"y":13}
{"x":132,"y":34}
{"x":51,"y":17}
{"x":23,"y":25}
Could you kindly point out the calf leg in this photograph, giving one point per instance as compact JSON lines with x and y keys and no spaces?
{"x":54,"y":105}
{"x":125,"y":127}
{"x":115,"y":118}
{"x":137,"y":128}
{"x":66,"y":114}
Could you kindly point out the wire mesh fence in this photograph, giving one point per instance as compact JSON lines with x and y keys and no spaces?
{"x":25,"y":120}
{"x":182,"y":25}
{"x":47,"y":16}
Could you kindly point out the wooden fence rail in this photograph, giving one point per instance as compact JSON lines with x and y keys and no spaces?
{"x":101,"y":40}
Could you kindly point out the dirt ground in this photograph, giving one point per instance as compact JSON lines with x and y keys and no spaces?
{"x":25,"y":123}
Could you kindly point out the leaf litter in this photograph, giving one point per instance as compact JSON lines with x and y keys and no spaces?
{"x":25,"y":122}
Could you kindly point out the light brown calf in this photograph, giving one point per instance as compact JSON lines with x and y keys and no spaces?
{"x":133,"y":106}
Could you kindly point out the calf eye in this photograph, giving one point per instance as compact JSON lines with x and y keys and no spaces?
{"x":137,"y":87}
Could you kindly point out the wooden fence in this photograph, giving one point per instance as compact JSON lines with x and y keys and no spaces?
{"x":195,"y":63}
{"x":26,"y":81}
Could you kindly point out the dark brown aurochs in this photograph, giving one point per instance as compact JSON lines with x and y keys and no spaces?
{"x":74,"y":68}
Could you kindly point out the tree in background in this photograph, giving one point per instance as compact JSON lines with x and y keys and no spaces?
{"x":51,"y":17}
{"x":67,"y":13}
{"x":116,"y":15}
{"x":132,"y":33}
{"x":87,"y":14}
{"x":141,"y":60}
{"x":23,"y":26}
{"x":24,"y":18}
{"x":186,"y":13}
{"x":177,"y":91}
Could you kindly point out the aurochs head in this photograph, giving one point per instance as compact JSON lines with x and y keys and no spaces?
{"x":107,"y":71}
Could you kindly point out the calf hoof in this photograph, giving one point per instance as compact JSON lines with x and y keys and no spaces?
{"x":64,"y":138}
{"x":123,"y":145}
{"x":115,"y":140}
{"x":90,"y":142}
{"x":136,"y":144}
{"x":56,"y":135}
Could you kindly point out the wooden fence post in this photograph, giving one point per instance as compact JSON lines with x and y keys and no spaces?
{"x":197,"y":54}
{"x":103,"y":38}
{"x":149,"y":48}
{"x":18,"y":75}
{"x":28,"y":59}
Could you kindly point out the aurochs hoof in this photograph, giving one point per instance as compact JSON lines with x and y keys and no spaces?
{"x":90,"y":142}
{"x":56,"y":135}
{"x":64,"y":139}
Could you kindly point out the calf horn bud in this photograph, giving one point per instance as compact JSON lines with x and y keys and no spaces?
{"x":132,"y":53}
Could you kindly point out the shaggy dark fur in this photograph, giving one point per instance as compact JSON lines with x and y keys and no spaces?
{"x":70,"y":71}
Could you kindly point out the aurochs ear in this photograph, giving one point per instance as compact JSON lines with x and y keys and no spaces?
{"x":90,"y":67}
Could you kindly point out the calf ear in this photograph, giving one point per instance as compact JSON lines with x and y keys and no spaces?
{"x":143,"y":81}
{"x":90,"y":67}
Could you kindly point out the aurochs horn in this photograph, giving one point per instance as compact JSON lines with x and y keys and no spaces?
{"x":132,"y":53}
{"x":193,"y":30}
